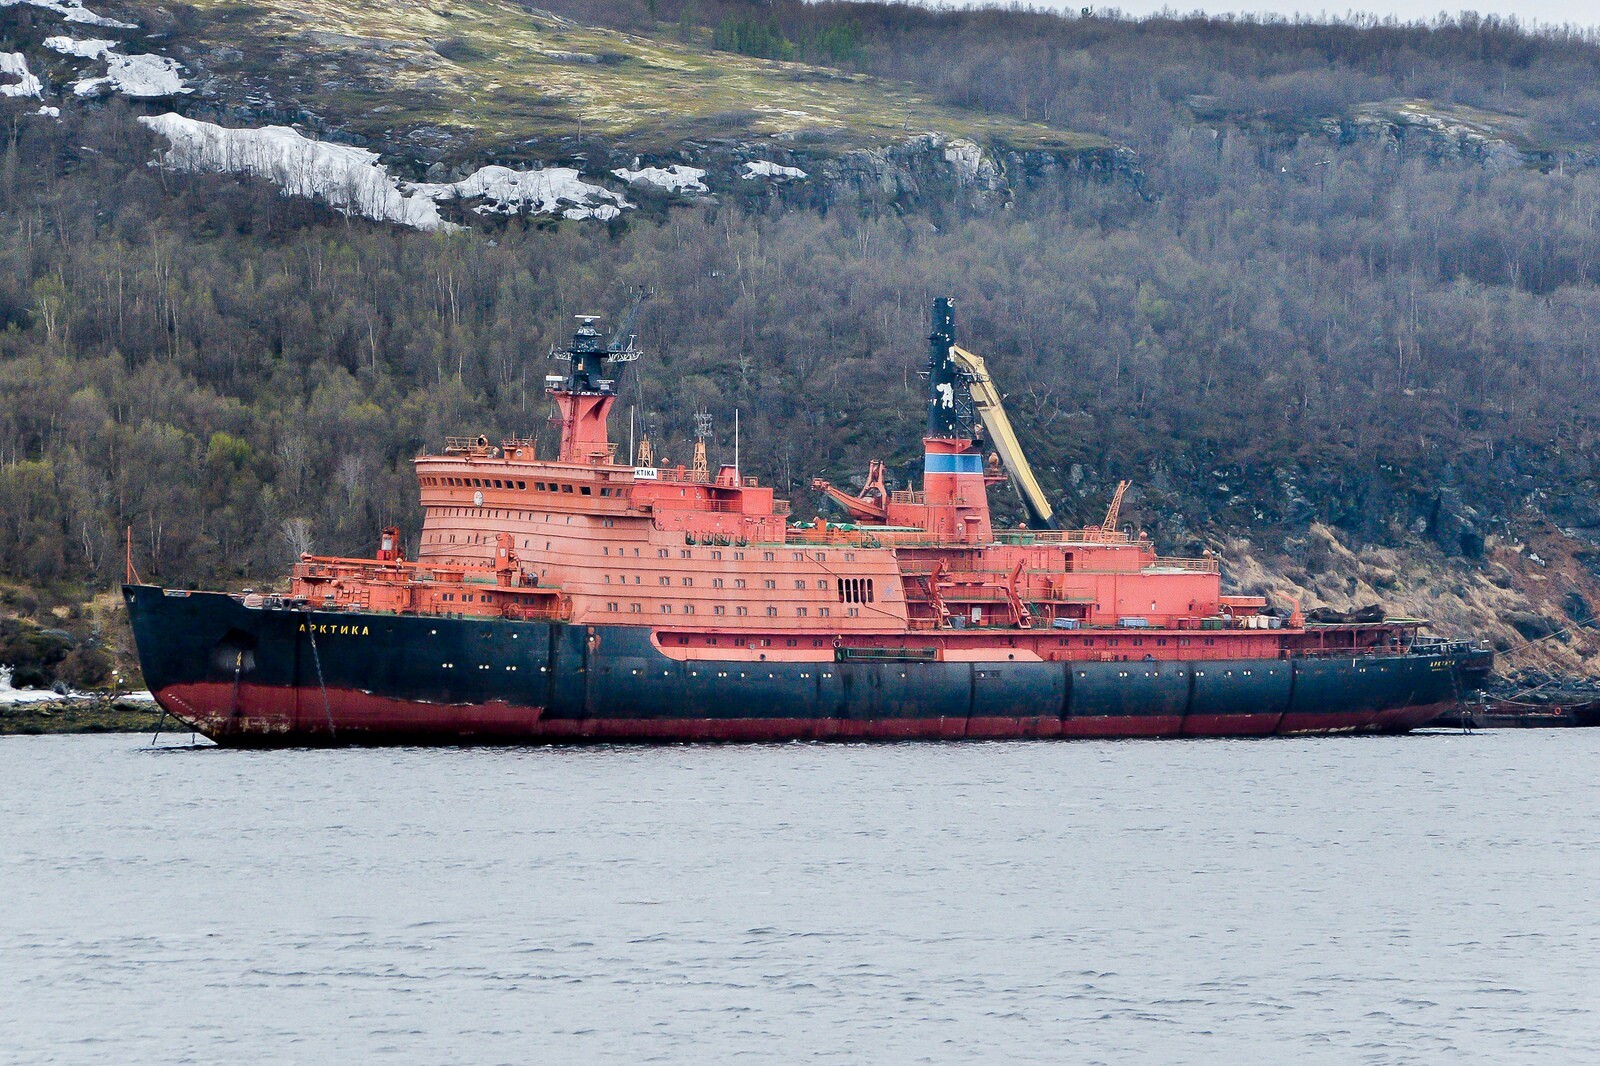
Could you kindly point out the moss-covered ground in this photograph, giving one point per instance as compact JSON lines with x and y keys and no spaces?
{"x":489,"y":75}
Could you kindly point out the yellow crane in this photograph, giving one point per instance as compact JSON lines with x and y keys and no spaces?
{"x":986,"y":398}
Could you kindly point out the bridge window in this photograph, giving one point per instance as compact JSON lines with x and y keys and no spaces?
{"x":522,"y":484}
{"x":586,"y":490}
{"x":566,"y":488}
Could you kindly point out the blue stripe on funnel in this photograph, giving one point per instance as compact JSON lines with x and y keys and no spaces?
{"x":942,"y":463}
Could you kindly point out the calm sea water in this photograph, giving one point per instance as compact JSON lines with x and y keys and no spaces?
{"x":1424,"y":898}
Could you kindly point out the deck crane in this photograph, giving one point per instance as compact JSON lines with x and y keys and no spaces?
{"x":1115,"y":510}
{"x":986,"y":398}
{"x":622,"y":336}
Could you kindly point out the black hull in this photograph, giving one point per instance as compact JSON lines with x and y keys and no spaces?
{"x":277,"y":677}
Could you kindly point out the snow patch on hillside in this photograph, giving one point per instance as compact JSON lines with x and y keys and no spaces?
{"x":73,"y":11}
{"x":16,"y":64}
{"x":556,"y":190}
{"x":674,"y":178}
{"x":763,"y":169}
{"x":347,"y":178}
{"x":145,"y":76}
{"x":92,"y":49}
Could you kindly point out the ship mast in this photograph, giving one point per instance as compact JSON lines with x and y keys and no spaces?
{"x":584,"y":394}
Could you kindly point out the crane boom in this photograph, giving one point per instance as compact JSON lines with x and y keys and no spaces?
{"x":986,"y":398}
{"x":1115,"y":510}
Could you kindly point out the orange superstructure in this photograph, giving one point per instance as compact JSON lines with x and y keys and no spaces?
{"x":710,"y":560}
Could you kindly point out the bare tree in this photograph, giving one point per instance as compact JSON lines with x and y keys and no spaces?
{"x":296,"y":533}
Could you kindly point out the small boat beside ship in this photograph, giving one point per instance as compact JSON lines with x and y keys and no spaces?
{"x":590,"y":597}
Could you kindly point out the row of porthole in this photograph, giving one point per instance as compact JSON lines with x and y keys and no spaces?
{"x":486,"y":666}
{"x":435,"y":632}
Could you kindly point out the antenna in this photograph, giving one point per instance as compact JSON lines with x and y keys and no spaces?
{"x":702,"y":430}
{"x":736,"y":441}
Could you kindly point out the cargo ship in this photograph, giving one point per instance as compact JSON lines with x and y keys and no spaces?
{"x":585,"y":597}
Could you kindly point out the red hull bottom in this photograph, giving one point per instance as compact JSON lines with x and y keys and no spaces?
{"x":260,"y":716}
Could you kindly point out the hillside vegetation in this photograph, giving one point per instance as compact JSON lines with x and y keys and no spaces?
{"x":493,"y":76}
{"x":1360,"y":359}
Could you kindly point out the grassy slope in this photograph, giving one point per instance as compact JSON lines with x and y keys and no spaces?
{"x":381,"y":70}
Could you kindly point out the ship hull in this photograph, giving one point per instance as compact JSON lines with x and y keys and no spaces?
{"x":264,"y":677}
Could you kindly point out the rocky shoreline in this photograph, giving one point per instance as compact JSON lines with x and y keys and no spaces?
{"x":91,"y":714}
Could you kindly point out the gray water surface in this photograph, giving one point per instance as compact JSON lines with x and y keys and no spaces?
{"x":1410,"y":899}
